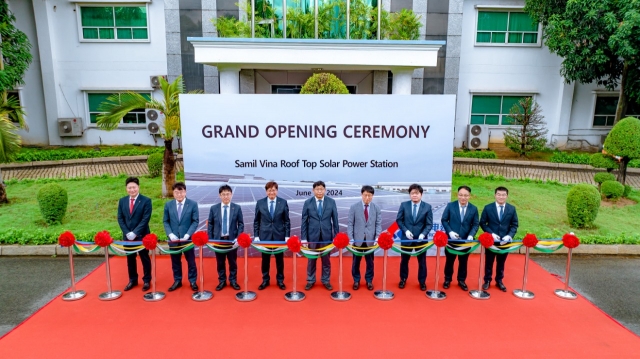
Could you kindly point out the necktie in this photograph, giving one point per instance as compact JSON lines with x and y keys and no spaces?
{"x":224,"y":221}
{"x":131,"y":205}
{"x":464,"y":208}
{"x":271,"y":210}
{"x":320,"y":208}
{"x":366,"y":213}
{"x":179,"y":210}
{"x":415,"y":211}
{"x":501,"y":212}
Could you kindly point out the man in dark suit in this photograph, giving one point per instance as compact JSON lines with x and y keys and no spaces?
{"x":460,"y":220}
{"x":415,"y":219}
{"x":134,"y":213}
{"x":319,"y":226}
{"x":501,"y":220}
{"x":271,"y":223}
{"x":363,"y":227}
{"x":226,"y":222}
{"x":180,"y":220}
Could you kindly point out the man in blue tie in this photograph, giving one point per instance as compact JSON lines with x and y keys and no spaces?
{"x":415,"y":219}
{"x":501,"y":220}
{"x":271,"y":223}
{"x":226,"y":223}
{"x":318,"y":228}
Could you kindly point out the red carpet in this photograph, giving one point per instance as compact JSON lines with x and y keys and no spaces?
{"x":411,"y":325}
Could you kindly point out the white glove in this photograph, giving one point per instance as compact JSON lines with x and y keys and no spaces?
{"x":286,"y":239}
{"x":454,"y":235}
{"x":420,"y":237}
{"x":186,"y":237}
{"x":408,"y":234}
{"x":304,"y":242}
{"x":495,"y":237}
{"x":375,"y":242}
{"x":351,"y":241}
{"x":572,"y":233}
{"x":173,"y":237}
{"x":256,"y":239}
{"x":470,"y":238}
{"x":507,"y":238}
{"x":235,"y":241}
{"x":131,"y":236}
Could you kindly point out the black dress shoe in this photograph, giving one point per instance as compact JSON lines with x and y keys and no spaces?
{"x":281,"y":285}
{"x":177,"y":284}
{"x":356,"y":285}
{"x":308,"y":286}
{"x":423,"y":287}
{"x":501,"y":286}
{"x":263,"y":285}
{"x":221,"y":285}
{"x":485,"y":285}
{"x":369,"y":285}
{"x":463,"y":285}
{"x":446,"y":284}
{"x":402,"y":283}
{"x":328,"y":286}
{"x":145,"y":286}
{"x":194,"y":287}
{"x":234,"y":285}
{"x":130,"y":285}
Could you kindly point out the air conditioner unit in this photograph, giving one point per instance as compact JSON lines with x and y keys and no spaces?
{"x":478,"y":137}
{"x":70,"y":127}
{"x":155,"y":81}
{"x":155,"y":121}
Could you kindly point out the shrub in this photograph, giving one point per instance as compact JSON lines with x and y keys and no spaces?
{"x":624,"y":141}
{"x":583,"y":203}
{"x":31,"y":154}
{"x":154,"y":163}
{"x":603,"y":176}
{"x":627,"y":191}
{"x":612,"y":189}
{"x":324,"y":83}
{"x":52,"y":200}
{"x":529,"y":132}
{"x":475,"y":154}
{"x":576,"y":158}
{"x":598,"y":160}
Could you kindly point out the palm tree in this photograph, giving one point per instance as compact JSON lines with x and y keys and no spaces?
{"x":118,"y":105}
{"x":10,"y":143}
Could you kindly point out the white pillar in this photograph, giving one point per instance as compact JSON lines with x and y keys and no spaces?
{"x":401,"y":84}
{"x":558,"y":135}
{"x":229,"y":80}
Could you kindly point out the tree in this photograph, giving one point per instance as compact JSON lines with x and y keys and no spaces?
{"x":598,"y":41}
{"x":623,"y":142}
{"x":528,"y":133}
{"x":324,"y":83}
{"x":10,"y":143}
{"x":118,"y":105}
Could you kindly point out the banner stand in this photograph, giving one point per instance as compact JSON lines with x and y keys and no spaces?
{"x":246,"y":296}
{"x":153,"y":296}
{"x":384,"y":294}
{"x":340,"y":295}
{"x":436,"y":294}
{"x":73,"y":294}
{"x":294,"y":296}
{"x":202,"y":295}
{"x":480,"y":293}
{"x":524,"y":293}
{"x":109,"y":294}
{"x":566,"y":293}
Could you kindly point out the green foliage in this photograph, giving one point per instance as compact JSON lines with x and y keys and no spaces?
{"x":598,"y":160}
{"x":229,"y":26}
{"x":612,"y":189}
{"x":52,"y":200}
{"x":10,"y":141}
{"x":475,"y":154}
{"x":405,"y":25}
{"x":529,"y":132}
{"x":324,"y":83}
{"x":32,"y":154}
{"x":634,"y":163}
{"x":624,"y":139}
{"x":16,"y":51}
{"x":627,"y":191}
{"x":583,"y":203}
{"x":570,"y":157}
{"x":601,"y":177}
{"x":154,"y":163}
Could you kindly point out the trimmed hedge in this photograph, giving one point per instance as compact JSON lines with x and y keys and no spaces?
{"x":32,"y":154}
{"x":324,"y":83}
{"x":598,"y":160}
{"x":575,"y":158}
{"x":154,"y":163}
{"x":627,"y":191}
{"x":583,"y":203}
{"x":475,"y":154}
{"x":52,"y":200}
{"x":612,"y":189}
{"x":603,"y":176}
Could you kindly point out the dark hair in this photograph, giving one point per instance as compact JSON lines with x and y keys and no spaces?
{"x":224,"y":187}
{"x":179,"y":186}
{"x":270,"y":184}
{"x":416,"y":186}
{"x":501,"y":189}
{"x":318,"y":183}
{"x":465,"y":187}
{"x":132,"y":179}
{"x":367,"y":188}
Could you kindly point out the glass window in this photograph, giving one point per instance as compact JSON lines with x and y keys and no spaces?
{"x":136,"y":116}
{"x":114,"y":22}
{"x":511,"y":27}
{"x":492,"y":109}
{"x":605,"y":113}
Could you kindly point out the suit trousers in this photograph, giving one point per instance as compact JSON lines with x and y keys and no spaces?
{"x":266,"y":266}
{"x":422,"y":264}
{"x":355,"y":267}
{"x":231,"y":257}
{"x":176,"y":264}
{"x":132,"y":266}
{"x":326,"y":265}
{"x":500,"y":259}
{"x":462,"y":266}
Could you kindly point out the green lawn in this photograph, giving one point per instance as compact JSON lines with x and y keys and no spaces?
{"x":93,"y":206}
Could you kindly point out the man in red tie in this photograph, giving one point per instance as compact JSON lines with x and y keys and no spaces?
{"x":363,"y":227}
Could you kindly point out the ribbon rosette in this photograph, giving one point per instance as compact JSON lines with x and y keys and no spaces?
{"x":385,"y":241}
{"x":200,"y":238}
{"x":570,"y":240}
{"x":341,"y":240}
{"x":103,"y":239}
{"x":530,"y":240}
{"x":244,"y":240}
{"x":294,"y":244}
{"x":66,"y":239}
{"x":150,"y":241}
{"x":486,"y":239}
{"x":440,"y":239}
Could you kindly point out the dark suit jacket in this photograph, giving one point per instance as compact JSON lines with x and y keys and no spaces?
{"x":490,"y":223}
{"x":271,"y":229}
{"x":312,"y":226}
{"x":451,"y":220}
{"x":422,"y":224}
{"x":236,"y":222}
{"x":188,"y":223}
{"x":136,"y":222}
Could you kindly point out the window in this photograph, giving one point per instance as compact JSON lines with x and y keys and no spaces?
{"x":121,"y":23}
{"x":605,"y":112}
{"x":506,"y":27}
{"x":492,"y":110}
{"x":134,"y":117}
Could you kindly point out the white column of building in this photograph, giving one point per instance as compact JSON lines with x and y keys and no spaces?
{"x":559,"y":127}
{"x":401,"y":84}
{"x":229,"y":80}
